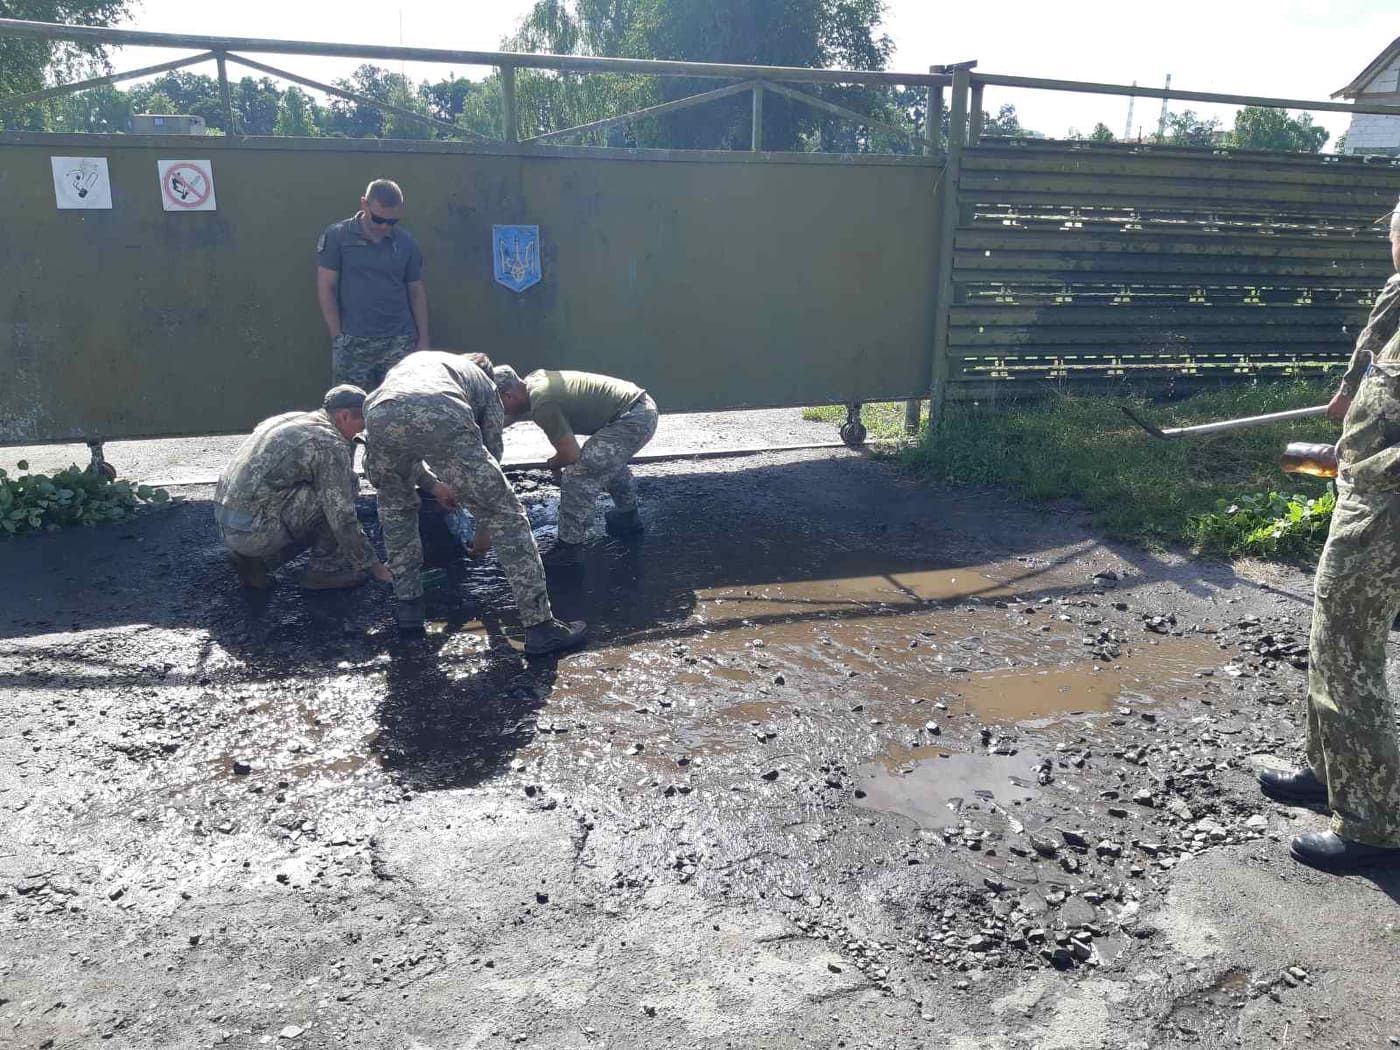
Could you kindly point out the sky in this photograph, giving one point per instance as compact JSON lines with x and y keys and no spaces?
{"x":1281,"y":48}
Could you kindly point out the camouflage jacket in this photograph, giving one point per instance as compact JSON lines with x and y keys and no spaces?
{"x":456,"y":378}
{"x":1381,"y":326}
{"x":287,"y":451}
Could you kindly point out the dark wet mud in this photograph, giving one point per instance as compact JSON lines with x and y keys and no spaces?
{"x":850,"y":762}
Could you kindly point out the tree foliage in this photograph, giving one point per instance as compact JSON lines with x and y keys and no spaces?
{"x":28,"y":64}
{"x":1259,"y":128}
{"x":1187,"y":129}
{"x":803,"y":33}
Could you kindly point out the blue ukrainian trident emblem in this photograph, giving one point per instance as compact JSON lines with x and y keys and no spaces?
{"x":516,"y":250}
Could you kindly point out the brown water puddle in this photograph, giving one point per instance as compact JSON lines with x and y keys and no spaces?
{"x":853,"y":594}
{"x":1152,"y":673}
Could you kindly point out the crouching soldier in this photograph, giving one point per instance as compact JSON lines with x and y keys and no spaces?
{"x":437,"y":415}
{"x":621,"y":418}
{"x":291,"y":485}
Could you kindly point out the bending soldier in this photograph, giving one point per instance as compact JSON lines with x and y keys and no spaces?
{"x":622,"y":419}
{"x":1353,"y":761}
{"x":291,"y":485}
{"x":437,"y":416}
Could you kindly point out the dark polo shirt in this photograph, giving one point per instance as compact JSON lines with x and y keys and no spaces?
{"x":374,"y":278}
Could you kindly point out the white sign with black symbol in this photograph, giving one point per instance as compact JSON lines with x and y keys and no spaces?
{"x":186,"y":185}
{"x":81,"y":182}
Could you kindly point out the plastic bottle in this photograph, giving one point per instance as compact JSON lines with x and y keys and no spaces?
{"x":1302,"y":457}
{"x":461,"y":525}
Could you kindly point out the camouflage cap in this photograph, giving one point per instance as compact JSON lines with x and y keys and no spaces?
{"x":344,"y":396}
{"x":504,"y":375}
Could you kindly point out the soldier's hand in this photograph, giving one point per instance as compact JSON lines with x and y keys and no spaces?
{"x":481,"y":543}
{"x":1337,"y":407}
{"x":444,"y":496}
{"x":381,"y":573}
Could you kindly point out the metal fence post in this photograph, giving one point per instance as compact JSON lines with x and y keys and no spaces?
{"x":933,"y":144}
{"x":934,"y":120}
{"x":975,"y":114}
{"x":757,"y":143}
{"x":221,"y":60}
{"x":510,"y":125}
{"x":948,"y":216}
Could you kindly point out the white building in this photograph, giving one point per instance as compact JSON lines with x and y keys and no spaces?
{"x":1378,"y":83}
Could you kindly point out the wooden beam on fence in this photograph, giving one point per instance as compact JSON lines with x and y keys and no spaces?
{"x":650,"y":111}
{"x":15,"y":101}
{"x":835,"y":110}
{"x":518,"y":59}
{"x":975,"y":115}
{"x":948,"y":218}
{"x":355,"y":96}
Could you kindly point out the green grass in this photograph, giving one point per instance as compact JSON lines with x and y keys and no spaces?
{"x":1135,"y":487}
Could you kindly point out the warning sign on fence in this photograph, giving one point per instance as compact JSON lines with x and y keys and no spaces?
{"x":186,"y":185}
{"x":81,"y":182}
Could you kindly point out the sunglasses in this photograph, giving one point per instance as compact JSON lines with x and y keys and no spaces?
{"x":379,"y":220}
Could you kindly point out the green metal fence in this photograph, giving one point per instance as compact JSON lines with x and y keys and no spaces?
{"x":1083,"y":266}
{"x":980,"y":269}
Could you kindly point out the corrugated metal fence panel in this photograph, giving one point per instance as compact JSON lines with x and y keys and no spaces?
{"x":1086,"y":265}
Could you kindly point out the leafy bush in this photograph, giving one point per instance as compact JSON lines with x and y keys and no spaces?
{"x":1266,"y":525}
{"x":73,"y":496}
{"x":1136,"y":488}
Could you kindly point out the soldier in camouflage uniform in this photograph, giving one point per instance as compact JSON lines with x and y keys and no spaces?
{"x":438,"y":413}
{"x":1353,"y":759}
{"x":621,"y":418}
{"x":291,"y":485}
{"x":369,"y":283}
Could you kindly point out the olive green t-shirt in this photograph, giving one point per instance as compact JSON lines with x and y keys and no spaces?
{"x":565,"y":403}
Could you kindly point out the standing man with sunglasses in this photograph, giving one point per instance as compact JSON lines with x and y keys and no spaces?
{"x":369,"y":282}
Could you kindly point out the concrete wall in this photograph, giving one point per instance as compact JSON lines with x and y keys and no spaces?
{"x":716,"y":280}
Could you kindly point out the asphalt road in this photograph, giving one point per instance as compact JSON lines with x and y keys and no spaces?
{"x":851,"y":762}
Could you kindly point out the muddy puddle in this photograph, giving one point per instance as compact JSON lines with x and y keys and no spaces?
{"x":1166,"y":670}
{"x":932,"y":786}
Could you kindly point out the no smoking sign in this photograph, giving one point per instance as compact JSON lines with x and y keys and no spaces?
{"x":186,"y":185}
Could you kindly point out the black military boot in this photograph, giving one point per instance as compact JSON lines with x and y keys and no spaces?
{"x":251,"y":571}
{"x":624,"y":522}
{"x":1328,"y":851}
{"x":554,"y":636}
{"x":563,"y":554}
{"x":331,"y":579}
{"x":1292,"y":785}
{"x":409,"y":615}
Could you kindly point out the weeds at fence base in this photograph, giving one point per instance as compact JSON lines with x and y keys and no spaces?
{"x":1135,"y":487}
{"x":72,"y":496}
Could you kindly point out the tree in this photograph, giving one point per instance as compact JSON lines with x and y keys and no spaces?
{"x":181,"y":92}
{"x":256,"y":106}
{"x":1101,"y":133}
{"x":28,"y":64}
{"x":1005,"y":123}
{"x":101,"y":110}
{"x":1187,"y":129}
{"x":298,"y":114}
{"x":1260,"y":128}
{"x":809,"y":33}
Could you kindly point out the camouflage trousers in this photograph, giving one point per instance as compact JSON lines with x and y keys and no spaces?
{"x":281,"y":530}
{"x":401,"y":433}
{"x":1351,"y":728}
{"x":363,"y":360}
{"x":603,"y":465}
